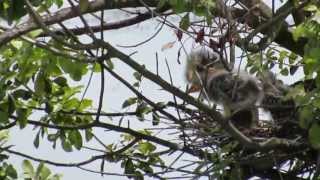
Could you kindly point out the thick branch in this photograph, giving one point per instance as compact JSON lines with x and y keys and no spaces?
{"x":284,"y":37}
{"x":107,"y":26}
{"x":68,"y":13}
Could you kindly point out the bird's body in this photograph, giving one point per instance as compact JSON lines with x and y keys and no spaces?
{"x":238,"y":93}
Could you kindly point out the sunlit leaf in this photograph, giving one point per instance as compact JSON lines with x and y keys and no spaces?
{"x":28,"y":169}
{"x":75,"y":139}
{"x":42,"y":171}
{"x":85,"y":103}
{"x":146,"y":147}
{"x":39,"y":84}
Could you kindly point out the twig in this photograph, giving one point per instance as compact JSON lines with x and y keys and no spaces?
{"x":145,"y":41}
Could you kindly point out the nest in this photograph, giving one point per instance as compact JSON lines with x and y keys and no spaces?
{"x":203,"y":132}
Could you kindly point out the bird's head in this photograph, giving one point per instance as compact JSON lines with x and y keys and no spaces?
{"x":199,"y":64}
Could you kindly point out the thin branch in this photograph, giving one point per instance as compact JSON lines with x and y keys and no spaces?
{"x":145,"y":41}
{"x":134,"y":133}
{"x":8,"y":126}
{"x":90,"y":160}
{"x":65,"y":14}
{"x":154,"y":105}
{"x":102,"y":84}
{"x":121,"y":114}
{"x":106,"y":173}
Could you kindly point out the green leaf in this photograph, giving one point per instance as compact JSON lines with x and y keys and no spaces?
{"x":66,"y":146}
{"x":28,"y":169}
{"x":71,"y":104}
{"x":42,"y":172}
{"x":4,"y":136}
{"x":56,"y":177}
{"x":178,"y":6}
{"x":37,"y":140}
{"x":310,"y":65}
{"x":16,"y":43}
{"x":22,"y":117}
{"x":146,"y":147}
{"x":35,"y":33}
{"x":52,"y":137}
{"x":299,"y":32}
{"x":85,"y":103}
{"x":155,"y":119}
{"x":137,"y":75}
{"x":96,"y":67}
{"x":145,"y":167}
{"x":3,"y":157}
{"x":129,"y":167}
{"x":84,"y":4}
{"x":75,"y":69}
{"x":11,"y":172}
{"x":129,"y":102}
{"x":75,"y":139}
{"x":21,"y":93}
{"x":305,"y":117}
{"x":4,"y":117}
{"x":185,"y":22}
{"x":143,"y":109}
{"x":88,"y":134}
{"x":292,"y":57}
{"x":310,"y":7}
{"x":59,"y":3}
{"x":136,"y":84}
{"x":284,"y":72}
{"x":61,"y":81}
{"x":39,"y":84}
{"x":314,"y":136}
{"x":11,"y":105}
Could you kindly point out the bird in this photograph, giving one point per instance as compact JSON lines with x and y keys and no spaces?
{"x":238,"y":93}
{"x":281,"y":108}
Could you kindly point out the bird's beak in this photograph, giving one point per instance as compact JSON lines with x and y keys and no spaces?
{"x":194,"y":88}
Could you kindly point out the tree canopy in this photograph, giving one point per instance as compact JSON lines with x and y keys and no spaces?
{"x":43,"y":59}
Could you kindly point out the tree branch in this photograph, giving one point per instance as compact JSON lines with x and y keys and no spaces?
{"x":68,"y":13}
{"x":134,"y":133}
{"x":106,"y":26}
{"x":225,"y":124}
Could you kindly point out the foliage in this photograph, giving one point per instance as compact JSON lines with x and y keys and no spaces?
{"x":42,"y":68}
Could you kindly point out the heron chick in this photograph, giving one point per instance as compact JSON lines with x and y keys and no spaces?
{"x":236,"y":92}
